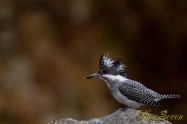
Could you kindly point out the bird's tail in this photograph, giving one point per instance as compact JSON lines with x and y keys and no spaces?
{"x":169,"y":96}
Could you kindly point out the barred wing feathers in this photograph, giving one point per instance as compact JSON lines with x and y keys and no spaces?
{"x":137,"y":92}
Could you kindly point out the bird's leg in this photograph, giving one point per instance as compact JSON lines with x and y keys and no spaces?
{"x":123,"y":109}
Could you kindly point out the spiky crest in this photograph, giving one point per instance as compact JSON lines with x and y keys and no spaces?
{"x":111,"y":66}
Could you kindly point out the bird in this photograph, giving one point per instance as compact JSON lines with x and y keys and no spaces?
{"x":130,"y":93}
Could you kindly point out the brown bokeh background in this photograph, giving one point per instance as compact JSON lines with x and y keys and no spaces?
{"x":48,"y":46}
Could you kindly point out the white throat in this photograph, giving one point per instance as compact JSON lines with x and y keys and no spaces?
{"x":115,"y":77}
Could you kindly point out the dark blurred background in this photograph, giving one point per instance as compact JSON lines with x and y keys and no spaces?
{"x":48,"y":46}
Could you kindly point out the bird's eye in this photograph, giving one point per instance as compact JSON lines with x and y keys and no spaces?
{"x":104,"y":71}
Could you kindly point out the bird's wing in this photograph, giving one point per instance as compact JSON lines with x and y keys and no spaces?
{"x":137,"y":92}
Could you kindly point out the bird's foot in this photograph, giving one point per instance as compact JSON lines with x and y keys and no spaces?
{"x":123,"y":109}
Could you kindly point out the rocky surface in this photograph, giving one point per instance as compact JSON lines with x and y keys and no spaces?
{"x":128,"y":116}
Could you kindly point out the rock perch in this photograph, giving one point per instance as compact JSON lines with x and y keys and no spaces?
{"x":128,"y":116}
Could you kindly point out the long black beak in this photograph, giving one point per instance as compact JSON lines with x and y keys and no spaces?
{"x":95,"y":75}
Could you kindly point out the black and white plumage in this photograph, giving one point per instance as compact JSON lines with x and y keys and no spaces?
{"x":126,"y":91}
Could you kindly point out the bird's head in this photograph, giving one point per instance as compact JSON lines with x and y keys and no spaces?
{"x":109,"y":69}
